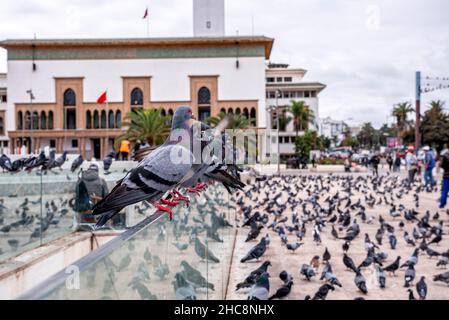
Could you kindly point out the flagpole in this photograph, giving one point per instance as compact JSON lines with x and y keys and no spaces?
{"x":148,"y":26}
{"x":107,"y":123}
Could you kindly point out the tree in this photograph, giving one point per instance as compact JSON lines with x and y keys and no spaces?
{"x":236,"y":121}
{"x":284,"y":120}
{"x":302,"y":115}
{"x":401,"y":112}
{"x":435,"y":125}
{"x":367,"y":135}
{"x":145,"y":125}
{"x":307,"y":142}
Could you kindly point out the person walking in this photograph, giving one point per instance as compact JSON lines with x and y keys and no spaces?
{"x":411,"y":163}
{"x":375,"y":160}
{"x":445,"y":183}
{"x":389,"y":162}
{"x":429,"y":165}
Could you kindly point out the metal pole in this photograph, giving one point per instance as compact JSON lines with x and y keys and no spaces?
{"x":418,"y":111}
{"x":278,"y":130}
{"x":30,"y":92}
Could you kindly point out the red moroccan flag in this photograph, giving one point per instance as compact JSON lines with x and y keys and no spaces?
{"x":145,"y":15}
{"x":102,"y":99}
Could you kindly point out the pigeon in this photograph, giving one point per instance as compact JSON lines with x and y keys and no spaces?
{"x":181,"y":246}
{"x":293,"y":246}
{"x":282,"y":292}
{"x":203,"y":252}
{"x":107,"y":162}
{"x":349,"y":263}
{"x":307,"y":271}
{"x":392,"y":268}
{"x":409,"y":275}
{"x":254,"y":276}
{"x":443,"y":277}
{"x":256,"y":252}
{"x":155,"y":174}
{"x":323,"y":291}
{"x":193,"y":276}
{"x":76,"y":163}
{"x":183,"y":289}
{"x":381,"y":277}
{"x":142,"y":290}
{"x":360,"y":282}
{"x":285,"y":277}
{"x":421,"y":288}
{"x":260,"y":290}
{"x":411,"y":296}
{"x":326,"y":255}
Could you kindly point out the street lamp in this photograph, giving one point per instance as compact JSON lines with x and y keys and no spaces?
{"x":278,"y":95}
{"x":30,"y":92}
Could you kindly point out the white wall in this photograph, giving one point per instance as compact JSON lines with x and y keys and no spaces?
{"x":170,"y":79}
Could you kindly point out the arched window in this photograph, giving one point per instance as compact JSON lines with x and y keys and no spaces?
{"x":136,"y":97}
{"x":238,"y":111}
{"x":170,"y":112}
{"x":230,"y":111}
{"x":43,"y":120}
{"x":163,"y":113}
{"x":19,"y":120}
{"x":35,"y":120}
{"x":104,"y":120}
{"x":88,"y":119}
{"x":2,"y":127}
{"x":69,"y":98}
{"x":96,"y":120}
{"x":111,"y":119}
{"x":27,"y":120}
{"x":246,"y":113}
{"x":50,"y":120}
{"x":118,"y":119}
{"x":253,"y":116}
{"x":222,"y":110}
{"x":204,"y":96}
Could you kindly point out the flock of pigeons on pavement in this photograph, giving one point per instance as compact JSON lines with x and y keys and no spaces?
{"x":342,"y":212}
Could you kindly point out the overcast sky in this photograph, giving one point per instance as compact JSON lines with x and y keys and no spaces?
{"x":366,"y":52}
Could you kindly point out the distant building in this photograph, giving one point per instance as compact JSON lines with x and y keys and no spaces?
{"x":333,"y":129}
{"x":4,"y":141}
{"x":208,"y":18}
{"x":284,"y":84}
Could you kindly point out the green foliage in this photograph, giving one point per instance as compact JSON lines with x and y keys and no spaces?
{"x":307,"y":142}
{"x":435,"y":125}
{"x":145,"y":125}
{"x":302,"y":115}
{"x":236,"y":121}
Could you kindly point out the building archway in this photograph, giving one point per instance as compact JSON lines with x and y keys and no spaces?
{"x":203,"y":104}
{"x":69,"y":105}
{"x":50,"y":120}
{"x":111,"y":119}
{"x":96,"y":120}
{"x":43,"y":120}
{"x":88,"y":119}
{"x":253,"y":116}
{"x":136,"y":97}
{"x":118,"y":119}
{"x":19,"y":120}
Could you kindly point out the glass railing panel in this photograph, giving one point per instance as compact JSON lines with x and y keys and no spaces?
{"x":186,"y":258}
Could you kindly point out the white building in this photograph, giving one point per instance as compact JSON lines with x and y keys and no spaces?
{"x":66,"y":77}
{"x":208,"y":18}
{"x":333,"y":129}
{"x":284,"y":84}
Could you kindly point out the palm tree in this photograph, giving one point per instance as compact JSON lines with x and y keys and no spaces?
{"x":401,"y":112}
{"x":145,"y":125}
{"x":302,"y":115}
{"x":236,"y":121}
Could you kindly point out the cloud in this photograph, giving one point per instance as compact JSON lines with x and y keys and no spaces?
{"x":366,"y":51}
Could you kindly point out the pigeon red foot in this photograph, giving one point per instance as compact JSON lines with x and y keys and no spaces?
{"x":196,"y":190}
{"x":163,"y":208}
{"x":177,"y":196}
